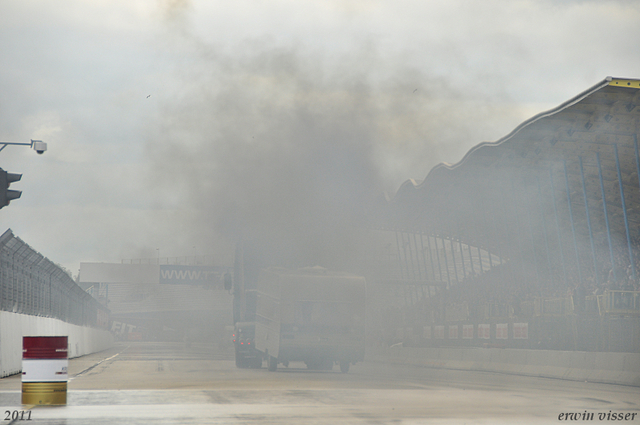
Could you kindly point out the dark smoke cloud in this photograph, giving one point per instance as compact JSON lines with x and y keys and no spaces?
{"x":272,"y":151}
{"x":289,"y":149}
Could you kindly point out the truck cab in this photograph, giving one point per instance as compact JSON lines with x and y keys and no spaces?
{"x":310,"y":315}
{"x":244,"y":342}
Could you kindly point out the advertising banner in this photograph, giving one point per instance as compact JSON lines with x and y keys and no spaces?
{"x":438,"y":332}
{"x":192,"y":275}
{"x":520,"y":331}
{"x":426,"y":332}
{"x":502,"y":331}
{"x":453,"y":331}
{"x":467,"y":331}
{"x":484,"y":331}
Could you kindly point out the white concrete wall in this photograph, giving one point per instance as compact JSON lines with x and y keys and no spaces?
{"x":611,"y":368}
{"x":13,"y":326}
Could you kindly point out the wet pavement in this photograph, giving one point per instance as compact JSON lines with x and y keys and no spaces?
{"x":165,"y":383}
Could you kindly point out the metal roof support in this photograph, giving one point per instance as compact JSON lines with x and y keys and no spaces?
{"x":544,"y":228}
{"x":484,"y":217}
{"x":555,"y":211}
{"x":471,"y":260}
{"x":433,"y":274}
{"x":410,"y":258}
{"x":606,"y":216}
{"x":514,"y":198}
{"x":420,"y":275}
{"x":409,"y":270}
{"x":415,"y":243}
{"x":435,"y":242}
{"x":413,"y":266}
{"x":404,"y":288}
{"x":586,"y":207}
{"x":405,"y":260}
{"x":635,"y":144}
{"x":414,"y":290}
{"x":399,"y":260}
{"x":533,"y":247}
{"x":624,"y":213}
{"x":505,"y":213}
{"x":409,"y":262}
{"x":464,"y":269}
{"x":573,"y":226}
{"x":495,"y":230}
{"x":480,"y":260}
{"x":433,"y":268}
{"x":446,"y":262}
{"x":453,"y":255}
{"x":427,"y":271}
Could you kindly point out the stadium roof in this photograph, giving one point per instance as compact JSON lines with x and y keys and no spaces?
{"x":528,"y":188}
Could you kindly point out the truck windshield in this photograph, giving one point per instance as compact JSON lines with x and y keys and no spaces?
{"x":246,"y":332}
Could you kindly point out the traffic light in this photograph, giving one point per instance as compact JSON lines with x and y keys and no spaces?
{"x":7,"y":195}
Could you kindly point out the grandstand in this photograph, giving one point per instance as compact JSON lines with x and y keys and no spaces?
{"x":541,"y":227}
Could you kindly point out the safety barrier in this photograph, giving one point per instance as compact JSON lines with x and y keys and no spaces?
{"x":38,"y":297}
{"x":553,"y":306}
{"x":13,"y":327}
{"x":32,"y":284}
{"x":624,"y":303}
{"x":620,"y":302}
{"x":611,"y":368}
{"x":571,"y":332}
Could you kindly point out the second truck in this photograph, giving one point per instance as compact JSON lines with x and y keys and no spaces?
{"x":309,"y":315}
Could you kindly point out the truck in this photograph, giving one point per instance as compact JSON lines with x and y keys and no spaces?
{"x":310,"y":315}
{"x":243,"y":340}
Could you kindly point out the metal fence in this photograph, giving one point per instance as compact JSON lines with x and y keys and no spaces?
{"x":32,"y":284}
{"x":624,"y":303}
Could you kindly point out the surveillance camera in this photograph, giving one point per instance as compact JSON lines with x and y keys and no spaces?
{"x":39,"y":146}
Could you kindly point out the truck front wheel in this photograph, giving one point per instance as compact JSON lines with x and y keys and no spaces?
{"x":273,"y":364}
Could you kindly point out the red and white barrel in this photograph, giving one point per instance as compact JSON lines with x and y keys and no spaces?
{"x":45,"y":362}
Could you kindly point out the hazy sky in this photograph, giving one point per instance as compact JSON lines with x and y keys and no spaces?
{"x":174,"y":127}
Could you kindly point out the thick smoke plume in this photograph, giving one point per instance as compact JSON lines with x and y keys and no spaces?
{"x":290,"y":149}
{"x":273,"y":152}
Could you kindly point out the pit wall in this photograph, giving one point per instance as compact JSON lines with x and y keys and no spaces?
{"x":13,"y":326}
{"x":610,"y":368}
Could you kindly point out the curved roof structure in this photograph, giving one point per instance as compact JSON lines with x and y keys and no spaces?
{"x":561,"y":187}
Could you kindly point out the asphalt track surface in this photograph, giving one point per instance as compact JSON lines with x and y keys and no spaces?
{"x":169,"y":383}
